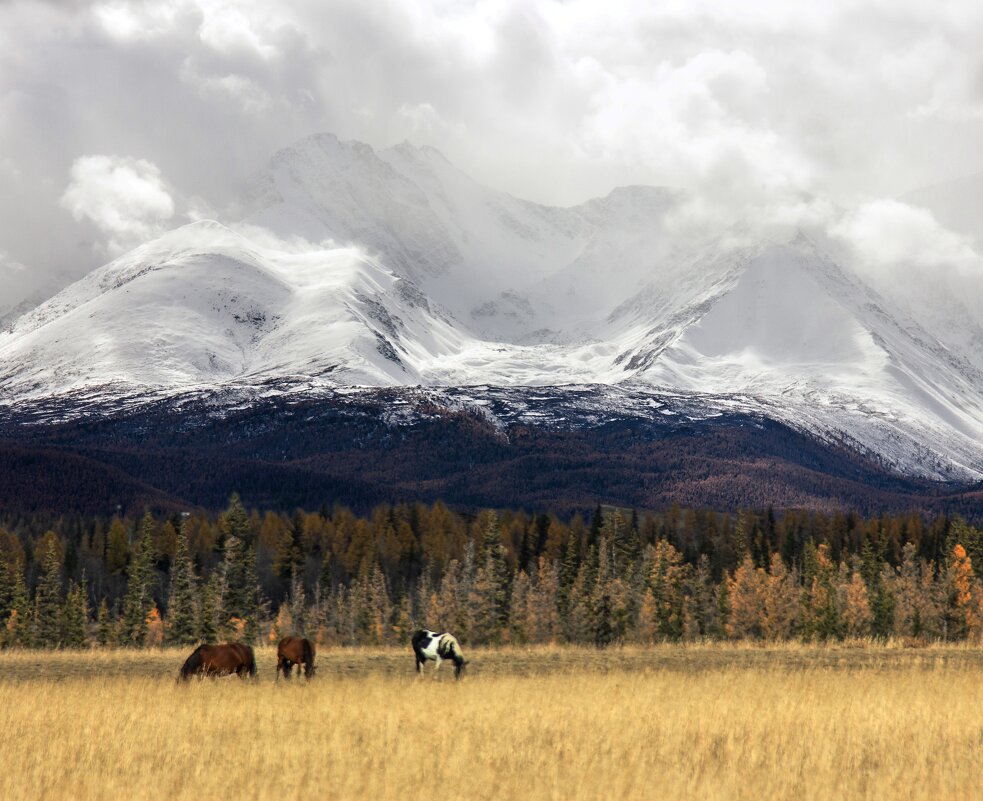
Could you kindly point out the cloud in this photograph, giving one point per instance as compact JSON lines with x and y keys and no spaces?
{"x":752,"y":107}
{"x":888,"y":235}
{"x":125,"y":198}
{"x":237,"y":89}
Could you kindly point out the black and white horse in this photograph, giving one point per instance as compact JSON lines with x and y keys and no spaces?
{"x":437,"y":647}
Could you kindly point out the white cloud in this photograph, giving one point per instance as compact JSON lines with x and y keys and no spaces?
{"x":238,"y":89}
{"x":135,"y":21}
{"x":890,"y":235}
{"x":238,"y":27}
{"x":125,"y":198}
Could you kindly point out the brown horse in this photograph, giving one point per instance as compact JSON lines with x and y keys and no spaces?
{"x":294,"y":651}
{"x":220,"y":660}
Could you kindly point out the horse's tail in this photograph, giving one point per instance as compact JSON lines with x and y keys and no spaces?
{"x":308,"y":657}
{"x":191,"y":665}
{"x":252,"y":661}
{"x":458,"y":656}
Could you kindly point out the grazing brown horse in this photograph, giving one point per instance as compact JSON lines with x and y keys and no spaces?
{"x":220,"y":660}
{"x":294,"y":651}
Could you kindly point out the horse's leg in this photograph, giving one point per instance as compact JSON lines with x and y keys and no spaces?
{"x":279,"y":667}
{"x":437,"y":660}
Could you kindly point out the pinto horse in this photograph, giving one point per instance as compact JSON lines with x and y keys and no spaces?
{"x":294,"y":651}
{"x":220,"y":660}
{"x":435,"y":647}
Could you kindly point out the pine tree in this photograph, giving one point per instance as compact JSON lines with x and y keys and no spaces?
{"x":75,"y":622}
{"x":182,"y":627}
{"x":48,"y":600}
{"x":139,"y":600}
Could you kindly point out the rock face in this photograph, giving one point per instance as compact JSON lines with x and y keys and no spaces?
{"x":364,"y":268}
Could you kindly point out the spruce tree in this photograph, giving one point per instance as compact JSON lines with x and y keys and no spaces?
{"x":117,"y":547}
{"x":601,"y":603}
{"x":139,"y":600}
{"x":489,"y":597}
{"x":182,"y":628}
{"x":209,"y":628}
{"x":297,"y":605}
{"x":18,"y":626}
{"x":105,"y":628}
{"x":241,"y":592}
{"x":48,"y":601}
{"x":76,"y":616}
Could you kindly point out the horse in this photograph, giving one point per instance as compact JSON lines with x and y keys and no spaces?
{"x":430,"y":645}
{"x":219,"y":660}
{"x":294,"y":651}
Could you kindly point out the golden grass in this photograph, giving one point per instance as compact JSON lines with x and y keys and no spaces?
{"x":700,"y":722}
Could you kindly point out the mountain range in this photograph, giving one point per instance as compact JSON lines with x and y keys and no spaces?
{"x":360,"y":271}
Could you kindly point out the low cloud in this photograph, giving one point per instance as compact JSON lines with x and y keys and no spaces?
{"x":890,"y":236}
{"x":125,"y":198}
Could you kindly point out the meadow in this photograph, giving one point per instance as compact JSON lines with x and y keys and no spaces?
{"x":692,"y":722}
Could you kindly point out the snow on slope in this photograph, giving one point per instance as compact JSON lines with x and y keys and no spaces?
{"x":425,"y":277}
{"x":202,"y":306}
{"x":506,"y":268}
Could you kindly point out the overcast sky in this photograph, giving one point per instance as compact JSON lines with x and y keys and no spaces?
{"x":120,"y":119}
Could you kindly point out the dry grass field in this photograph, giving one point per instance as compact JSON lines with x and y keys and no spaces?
{"x":697,"y":722}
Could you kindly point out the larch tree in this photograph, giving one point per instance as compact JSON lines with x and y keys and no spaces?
{"x":857,"y":615}
{"x":746,"y":589}
{"x":781,"y":605}
{"x":666,"y":579}
{"x":960,"y":609}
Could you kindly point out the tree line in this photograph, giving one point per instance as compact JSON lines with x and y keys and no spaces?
{"x":492,"y":577}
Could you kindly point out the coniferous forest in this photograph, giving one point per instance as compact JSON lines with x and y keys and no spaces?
{"x":492,"y":577}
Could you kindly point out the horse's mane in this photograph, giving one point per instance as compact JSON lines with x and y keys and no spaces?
{"x":192,"y":663}
{"x":449,"y":641}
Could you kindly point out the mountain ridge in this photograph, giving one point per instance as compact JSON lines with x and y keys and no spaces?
{"x":358,"y":267}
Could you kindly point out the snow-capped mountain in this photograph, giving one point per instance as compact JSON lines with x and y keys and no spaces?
{"x":358,"y":267}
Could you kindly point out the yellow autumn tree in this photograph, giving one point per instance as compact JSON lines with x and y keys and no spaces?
{"x":781,"y":602}
{"x":857,"y":615}
{"x":155,"y":629}
{"x":746,"y":590}
{"x":961,"y":612}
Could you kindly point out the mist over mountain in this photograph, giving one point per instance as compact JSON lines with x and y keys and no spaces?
{"x":362,"y":268}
